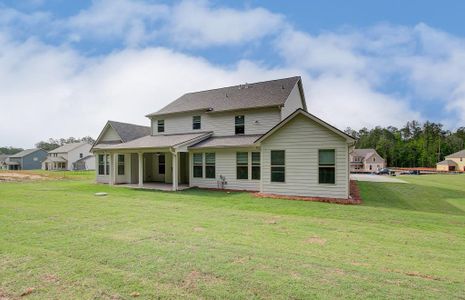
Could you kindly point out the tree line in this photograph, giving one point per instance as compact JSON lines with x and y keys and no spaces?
{"x":413,"y":145}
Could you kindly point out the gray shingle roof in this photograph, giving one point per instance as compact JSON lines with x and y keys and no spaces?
{"x":447,"y":163}
{"x":227,"y":141}
{"x":55,"y":159}
{"x":155,"y":141}
{"x":457,"y":154}
{"x":25,"y":152}
{"x":365,"y":153}
{"x":67,"y":147}
{"x":129,"y":132}
{"x":3,"y":157}
{"x":260,"y":94}
{"x":84,"y":158}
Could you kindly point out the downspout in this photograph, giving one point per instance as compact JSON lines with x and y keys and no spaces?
{"x":350,"y":145}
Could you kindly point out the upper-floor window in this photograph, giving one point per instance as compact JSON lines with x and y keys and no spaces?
{"x":161,"y":125}
{"x":196,"y":122}
{"x":327,"y":166}
{"x":239,"y":124}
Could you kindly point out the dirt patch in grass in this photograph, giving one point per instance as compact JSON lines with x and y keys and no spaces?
{"x":21,"y":176}
{"x":195,"y":277}
{"x":28,"y":291}
{"x":198,"y":229}
{"x":415,"y":274}
{"x":50,"y":278}
{"x":315,"y":240}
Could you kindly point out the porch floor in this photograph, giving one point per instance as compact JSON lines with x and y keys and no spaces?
{"x":154,"y":186}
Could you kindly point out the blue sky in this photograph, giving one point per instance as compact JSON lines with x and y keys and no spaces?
{"x":71,"y":65}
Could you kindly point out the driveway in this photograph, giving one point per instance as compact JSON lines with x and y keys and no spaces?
{"x":376,"y":178}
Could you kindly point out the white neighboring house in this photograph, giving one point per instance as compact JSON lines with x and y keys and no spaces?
{"x":72,"y":156}
{"x":255,"y":137}
{"x":366,"y":161}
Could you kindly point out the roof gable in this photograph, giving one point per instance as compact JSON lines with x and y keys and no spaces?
{"x":125,"y":131}
{"x":457,"y":154}
{"x":300,"y":111}
{"x":67,"y":147}
{"x":252,"y":95}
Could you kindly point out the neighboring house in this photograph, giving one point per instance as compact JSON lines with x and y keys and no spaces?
{"x":66,"y":157}
{"x":30,"y":159}
{"x":256,"y":137}
{"x":365,"y":161}
{"x":3,"y":158}
{"x":453,"y":162}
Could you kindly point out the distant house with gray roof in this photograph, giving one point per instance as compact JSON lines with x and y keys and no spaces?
{"x":3,"y":158}
{"x":253,"y":136}
{"x":366,"y":161}
{"x":29,"y":159}
{"x":70,"y":157}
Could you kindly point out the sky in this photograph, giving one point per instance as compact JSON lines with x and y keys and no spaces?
{"x":66,"y":67}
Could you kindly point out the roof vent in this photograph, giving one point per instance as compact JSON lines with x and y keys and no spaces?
{"x":209,"y":109}
{"x":282,"y":87}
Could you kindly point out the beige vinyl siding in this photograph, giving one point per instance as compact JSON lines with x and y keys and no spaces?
{"x":109,"y":135}
{"x":256,"y":121}
{"x":301,"y":138}
{"x":225,"y":164}
{"x":293,"y":102}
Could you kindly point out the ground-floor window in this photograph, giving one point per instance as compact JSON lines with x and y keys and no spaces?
{"x":210,"y":163}
{"x":198,"y":165}
{"x":107,"y":164}
{"x":256,"y":165}
{"x":242,"y":165}
{"x":161,"y":164}
{"x":120,"y":164}
{"x":327,"y":166}
{"x":101,"y":164}
{"x":278,"y":166}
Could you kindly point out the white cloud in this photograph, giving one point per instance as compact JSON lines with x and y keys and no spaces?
{"x":197,"y":23}
{"x":133,"y":21}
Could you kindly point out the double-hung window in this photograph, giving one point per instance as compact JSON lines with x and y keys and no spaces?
{"x":161,"y":126}
{"x":161,"y":164}
{"x":210,"y":165}
{"x":107,"y":164}
{"x":242,"y":165}
{"x":120,"y":164}
{"x":327,"y":166}
{"x":255,"y":165}
{"x":101,"y":164}
{"x":196,"y":122}
{"x":239,"y":124}
{"x":197,"y":163}
{"x":278,"y":166}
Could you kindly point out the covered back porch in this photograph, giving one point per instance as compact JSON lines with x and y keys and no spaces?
{"x":161,"y":169}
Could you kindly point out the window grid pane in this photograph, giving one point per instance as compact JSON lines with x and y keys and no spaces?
{"x":326,"y":157}
{"x":278,"y":169}
{"x":196,"y":122}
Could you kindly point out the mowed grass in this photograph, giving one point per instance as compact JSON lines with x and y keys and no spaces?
{"x":61,"y":242}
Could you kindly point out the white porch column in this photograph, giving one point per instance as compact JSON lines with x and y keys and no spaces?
{"x":111,"y":171}
{"x":175,"y":170}
{"x":141,"y":171}
{"x":115,"y":166}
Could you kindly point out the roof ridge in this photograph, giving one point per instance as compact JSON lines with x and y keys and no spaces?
{"x":241,"y":84}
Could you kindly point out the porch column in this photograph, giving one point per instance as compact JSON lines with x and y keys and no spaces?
{"x":115,"y":166}
{"x":141,"y":171}
{"x":111,"y":172}
{"x":175,"y":171}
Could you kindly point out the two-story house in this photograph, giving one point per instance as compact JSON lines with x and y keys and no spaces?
{"x":29,"y":159}
{"x":365,"y":161}
{"x":256,"y":137}
{"x":70,"y":156}
{"x":454,"y":162}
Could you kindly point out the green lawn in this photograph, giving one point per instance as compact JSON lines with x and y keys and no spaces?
{"x":405,"y":241}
